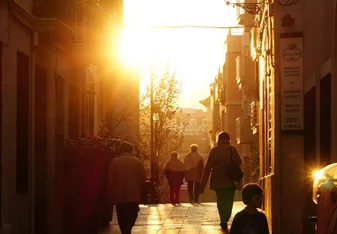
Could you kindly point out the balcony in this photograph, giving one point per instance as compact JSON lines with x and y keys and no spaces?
{"x":240,"y":70}
{"x":221,"y":95}
{"x":243,"y":131}
{"x":254,"y":116}
{"x":255,"y":50}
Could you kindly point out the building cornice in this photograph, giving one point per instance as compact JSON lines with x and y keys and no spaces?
{"x":41,"y":25}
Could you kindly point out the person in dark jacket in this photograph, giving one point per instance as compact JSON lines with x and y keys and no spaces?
{"x":220,"y":157}
{"x":174,"y":172}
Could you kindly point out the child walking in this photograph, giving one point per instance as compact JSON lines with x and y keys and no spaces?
{"x":174,"y":172}
{"x":250,"y":220}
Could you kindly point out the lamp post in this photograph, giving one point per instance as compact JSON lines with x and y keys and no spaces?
{"x":151,"y":126}
{"x":156,"y":146}
{"x":153,"y":140}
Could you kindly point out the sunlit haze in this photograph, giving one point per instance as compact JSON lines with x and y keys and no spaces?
{"x":193,"y":53}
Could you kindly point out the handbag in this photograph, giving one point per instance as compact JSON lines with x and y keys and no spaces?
{"x":233,"y":171}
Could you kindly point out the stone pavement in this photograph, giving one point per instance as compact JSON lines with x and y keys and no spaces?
{"x":186,"y":218}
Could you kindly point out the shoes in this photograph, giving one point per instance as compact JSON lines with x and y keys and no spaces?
{"x":224,"y":228}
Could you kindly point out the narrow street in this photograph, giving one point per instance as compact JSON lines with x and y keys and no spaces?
{"x":187,"y":218}
{"x":99,"y":96}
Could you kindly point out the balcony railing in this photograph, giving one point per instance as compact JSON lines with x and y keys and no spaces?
{"x":254,"y":116}
{"x":243,"y":131}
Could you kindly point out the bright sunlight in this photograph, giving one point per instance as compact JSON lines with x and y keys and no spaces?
{"x":193,"y":53}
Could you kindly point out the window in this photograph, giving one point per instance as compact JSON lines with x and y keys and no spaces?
{"x":269,"y":126}
{"x":59,"y":105}
{"x":22,"y":124}
{"x":40,"y":150}
{"x":59,"y":131}
{"x":193,"y":123}
{"x":325,"y":121}
{"x":74,"y":111}
{"x":257,"y":77}
{"x":310,"y":127}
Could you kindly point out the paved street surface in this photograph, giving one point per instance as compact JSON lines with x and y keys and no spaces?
{"x":168,"y":219}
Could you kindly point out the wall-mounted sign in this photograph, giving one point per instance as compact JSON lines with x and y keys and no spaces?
{"x":291,"y":81}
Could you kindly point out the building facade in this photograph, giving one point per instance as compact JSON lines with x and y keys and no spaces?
{"x":296,"y":105}
{"x":231,"y":94}
{"x":55,"y":85}
{"x":196,"y":130}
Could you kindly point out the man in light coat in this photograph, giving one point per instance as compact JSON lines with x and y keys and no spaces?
{"x":194,"y":166}
{"x":126,"y":177}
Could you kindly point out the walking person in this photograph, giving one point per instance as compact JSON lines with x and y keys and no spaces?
{"x":194,"y":166}
{"x":126,"y":177}
{"x":220,"y":157}
{"x":174,"y":172}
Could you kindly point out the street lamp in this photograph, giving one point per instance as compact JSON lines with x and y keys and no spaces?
{"x":153,"y":139}
{"x":251,"y":8}
{"x":151,"y":126}
{"x":156,"y":146}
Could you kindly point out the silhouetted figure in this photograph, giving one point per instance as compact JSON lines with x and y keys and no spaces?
{"x":174,"y":172}
{"x":194,"y":166}
{"x":126,"y":177}
{"x":220,"y":157}
{"x":250,"y":220}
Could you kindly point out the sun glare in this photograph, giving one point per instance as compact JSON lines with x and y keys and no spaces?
{"x":194,"y":53}
{"x":134,"y":48}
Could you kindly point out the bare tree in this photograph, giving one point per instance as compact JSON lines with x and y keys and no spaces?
{"x":123,"y":101}
{"x":168,"y":129}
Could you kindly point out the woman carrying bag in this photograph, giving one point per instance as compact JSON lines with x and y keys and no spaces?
{"x":224,"y":163}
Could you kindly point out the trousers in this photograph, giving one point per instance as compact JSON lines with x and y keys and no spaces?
{"x":174,"y":194}
{"x":193,"y":189}
{"x":225,"y":200}
{"x":127,"y":214}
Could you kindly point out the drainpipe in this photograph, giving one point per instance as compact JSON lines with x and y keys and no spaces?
{"x":334,"y":87}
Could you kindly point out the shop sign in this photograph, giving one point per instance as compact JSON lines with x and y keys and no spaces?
{"x":291,"y":82}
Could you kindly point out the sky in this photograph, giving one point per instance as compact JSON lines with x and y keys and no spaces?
{"x":194,"y":54}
